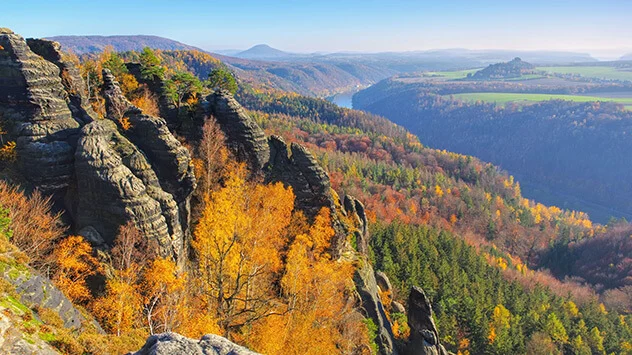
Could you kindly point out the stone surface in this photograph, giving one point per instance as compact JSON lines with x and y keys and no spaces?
{"x":172,"y":343}
{"x":424,"y":338}
{"x":116,"y":183}
{"x":397,"y":307}
{"x":384,"y":283}
{"x":372,"y":307}
{"x":70,"y":78}
{"x":243,"y":135}
{"x":12,"y":340}
{"x":34,"y":106}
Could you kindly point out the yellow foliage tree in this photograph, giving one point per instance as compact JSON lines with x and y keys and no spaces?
{"x":238,"y":242}
{"x":75,"y":264}
{"x":314,"y":287}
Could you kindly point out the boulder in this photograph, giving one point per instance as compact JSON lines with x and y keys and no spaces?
{"x":173,"y":343}
{"x":397,"y":307}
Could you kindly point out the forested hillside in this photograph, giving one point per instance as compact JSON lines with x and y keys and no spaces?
{"x":192,"y":214}
{"x":572,"y":154}
{"x":434,"y":212}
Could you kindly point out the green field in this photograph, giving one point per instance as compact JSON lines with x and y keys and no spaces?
{"x":599,"y":72}
{"x":452,"y":75}
{"x":503,"y":98}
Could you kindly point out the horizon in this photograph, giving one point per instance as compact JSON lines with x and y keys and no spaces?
{"x":328,"y":26}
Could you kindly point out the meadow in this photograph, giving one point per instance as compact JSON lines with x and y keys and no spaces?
{"x":503,"y":98}
{"x":599,"y":72}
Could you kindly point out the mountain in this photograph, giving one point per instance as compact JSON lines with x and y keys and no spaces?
{"x":513,"y":69}
{"x":626,"y":57}
{"x":91,"y":44}
{"x":263,"y":51}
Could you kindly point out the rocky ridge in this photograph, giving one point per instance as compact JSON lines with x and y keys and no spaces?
{"x":101,"y":172}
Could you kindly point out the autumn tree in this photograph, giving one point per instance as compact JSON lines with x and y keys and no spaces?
{"x":74,"y":264}
{"x":238,"y":242}
{"x":35,"y":229}
{"x":314,"y":288}
{"x":163,"y":291}
{"x":120,"y":308}
{"x":499,"y":330}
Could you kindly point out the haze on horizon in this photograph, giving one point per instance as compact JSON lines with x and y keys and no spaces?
{"x":601,"y":29}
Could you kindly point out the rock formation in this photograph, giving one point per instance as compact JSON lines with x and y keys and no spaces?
{"x":70,"y":78}
{"x":34,"y":109}
{"x":141,"y":173}
{"x":367,"y":288}
{"x":292,"y":165}
{"x":99,"y":171}
{"x":424,"y":338}
{"x":243,"y":135}
{"x":172,"y":343}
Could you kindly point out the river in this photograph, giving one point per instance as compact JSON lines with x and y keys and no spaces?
{"x":343,"y":99}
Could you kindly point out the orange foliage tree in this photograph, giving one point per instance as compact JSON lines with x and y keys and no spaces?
{"x":238,"y":244}
{"x":75,"y":264}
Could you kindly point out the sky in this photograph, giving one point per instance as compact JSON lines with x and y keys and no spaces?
{"x":602,"y":28}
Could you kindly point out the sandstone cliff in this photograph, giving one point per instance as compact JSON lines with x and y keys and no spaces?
{"x":101,"y":173}
{"x":36,"y":115}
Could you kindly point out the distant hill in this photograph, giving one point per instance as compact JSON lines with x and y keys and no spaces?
{"x":90,"y":44}
{"x":627,"y":57}
{"x":263,"y":51}
{"x":512,"y":69}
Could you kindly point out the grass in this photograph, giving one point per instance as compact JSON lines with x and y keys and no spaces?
{"x":452,"y":75}
{"x":599,"y":72}
{"x":503,"y":98}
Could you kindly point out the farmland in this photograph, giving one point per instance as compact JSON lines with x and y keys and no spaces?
{"x":598,"y":72}
{"x":502,"y":98}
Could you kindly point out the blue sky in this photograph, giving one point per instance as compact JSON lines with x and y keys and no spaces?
{"x":325,"y":25}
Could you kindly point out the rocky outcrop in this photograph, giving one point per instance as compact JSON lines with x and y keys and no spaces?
{"x":243,"y":135}
{"x":424,"y":338}
{"x":172,"y":343}
{"x":102,"y":172}
{"x":34,"y":106}
{"x":355,"y":211}
{"x":293,"y":164}
{"x":139,"y":173}
{"x":70,"y":78}
{"x":367,"y":288}
{"x":37,"y":291}
{"x":116,"y":184}
{"x":297,"y":168}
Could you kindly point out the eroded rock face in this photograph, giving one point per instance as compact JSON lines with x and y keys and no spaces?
{"x":243,"y":135}
{"x":116,"y":184}
{"x":173,"y":343}
{"x":70,"y":78}
{"x":424,"y":338}
{"x":367,"y":288}
{"x":140,"y":174}
{"x":355,"y":210}
{"x":34,"y":106}
{"x":297,"y":168}
{"x":103,"y":175}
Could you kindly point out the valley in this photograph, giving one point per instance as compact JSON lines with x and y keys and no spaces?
{"x":307,"y":178}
